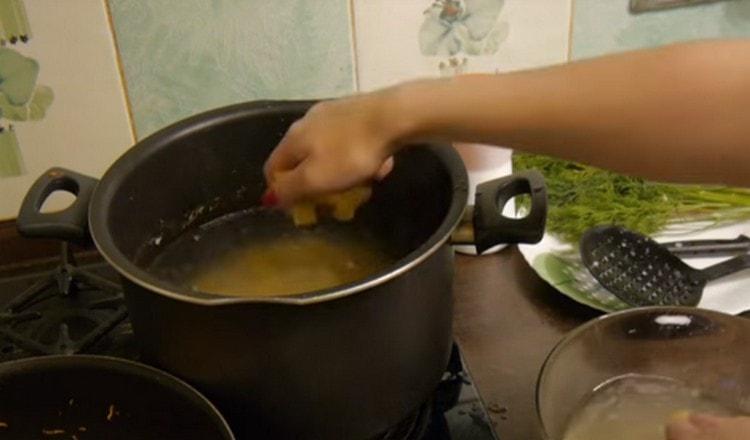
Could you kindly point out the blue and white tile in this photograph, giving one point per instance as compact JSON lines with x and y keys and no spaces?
{"x":181,"y":57}
{"x":68,"y":108}
{"x":398,"y":40}
{"x":602,"y":27}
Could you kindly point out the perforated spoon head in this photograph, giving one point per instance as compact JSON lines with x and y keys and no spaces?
{"x":638,"y":270}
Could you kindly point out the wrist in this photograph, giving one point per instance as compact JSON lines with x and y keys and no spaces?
{"x":444,"y":109}
{"x":409,"y":112}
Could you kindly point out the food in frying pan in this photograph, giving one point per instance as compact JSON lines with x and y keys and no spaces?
{"x":111,"y":412}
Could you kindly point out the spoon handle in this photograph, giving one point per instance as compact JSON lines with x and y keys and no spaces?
{"x":727,"y":267}
{"x":709,"y":248}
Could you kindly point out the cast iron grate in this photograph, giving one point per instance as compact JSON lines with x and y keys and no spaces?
{"x":68,"y":311}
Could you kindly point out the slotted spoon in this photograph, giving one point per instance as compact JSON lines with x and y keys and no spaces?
{"x":642,"y":272}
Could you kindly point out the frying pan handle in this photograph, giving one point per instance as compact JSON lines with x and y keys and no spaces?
{"x":68,"y":224}
{"x":491,"y":227}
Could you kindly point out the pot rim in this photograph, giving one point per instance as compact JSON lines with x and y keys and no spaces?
{"x":122,"y":167}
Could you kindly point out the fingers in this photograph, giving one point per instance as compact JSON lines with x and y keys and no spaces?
{"x":706,"y":422}
{"x":315,"y":176}
{"x":707,"y":427}
{"x":297,"y":184}
{"x":284,"y":157}
{"x":385,"y":169}
{"x":332,"y":148}
{"x":682,"y":429}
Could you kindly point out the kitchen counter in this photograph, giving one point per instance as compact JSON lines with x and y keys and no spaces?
{"x":506,"y":321}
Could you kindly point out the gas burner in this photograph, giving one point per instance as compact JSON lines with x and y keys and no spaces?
{"x":414,"y":427}
{"x":68,"y":311}
{"x":453,"y":412}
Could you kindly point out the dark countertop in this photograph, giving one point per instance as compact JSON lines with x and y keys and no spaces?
{"x":506,"y":320}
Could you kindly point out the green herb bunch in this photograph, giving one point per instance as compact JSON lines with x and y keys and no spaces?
{"x":581,"y":197}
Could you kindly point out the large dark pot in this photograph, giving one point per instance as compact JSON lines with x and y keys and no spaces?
{"x":343,"y":363}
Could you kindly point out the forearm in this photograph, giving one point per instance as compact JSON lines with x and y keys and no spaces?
{"x":679,"y":113}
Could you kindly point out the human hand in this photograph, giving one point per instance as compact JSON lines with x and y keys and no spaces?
{"x":337,"y":145}
{"x":708,"y":427}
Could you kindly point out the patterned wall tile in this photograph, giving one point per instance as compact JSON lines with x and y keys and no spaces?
{"x":601,"y":27}
{"x":181,"y":57}
{"x":61,"y":99}
{"x":398,"y":40}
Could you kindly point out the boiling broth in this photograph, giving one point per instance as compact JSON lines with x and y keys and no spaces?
{"x":636,"y":407}
{"x":261,"y":254}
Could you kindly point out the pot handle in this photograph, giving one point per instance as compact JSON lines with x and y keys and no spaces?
{"x":69,"y":224}
{"x":491,"y":227}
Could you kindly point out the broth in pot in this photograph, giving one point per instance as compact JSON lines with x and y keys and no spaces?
{"x":259,"y":253}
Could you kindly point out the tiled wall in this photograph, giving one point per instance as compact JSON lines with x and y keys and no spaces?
{"x":181,"y":57}
{"x":170,"y":59}
{"x":601,"y":27}
{"x":402,"y":39}
{"x":90,"y":77}
{"x":67,"y":107}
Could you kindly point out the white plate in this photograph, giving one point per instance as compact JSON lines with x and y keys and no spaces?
{"x":560,"y":265}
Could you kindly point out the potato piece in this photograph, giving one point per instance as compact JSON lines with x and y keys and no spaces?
{"x":679,"y":416}
{"x":304,"y":214}
{"x":345,"y":204}
{"x":342,"y":206}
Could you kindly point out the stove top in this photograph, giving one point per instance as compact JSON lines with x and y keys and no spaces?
{"x":68,"y":310}
{"x":81,"y":310}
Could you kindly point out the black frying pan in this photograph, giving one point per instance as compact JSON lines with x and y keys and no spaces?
{"x":96,"y":397}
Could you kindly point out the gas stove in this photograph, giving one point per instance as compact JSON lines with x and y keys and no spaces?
{"x":74,"y":310}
